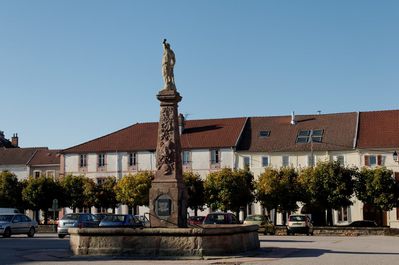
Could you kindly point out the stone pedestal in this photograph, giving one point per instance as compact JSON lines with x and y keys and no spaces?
{"x":168,"y":195}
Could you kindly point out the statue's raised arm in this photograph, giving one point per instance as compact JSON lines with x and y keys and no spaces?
{"x":168,"y":63}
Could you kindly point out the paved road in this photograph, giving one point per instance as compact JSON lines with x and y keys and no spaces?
{"x":275,"y":250}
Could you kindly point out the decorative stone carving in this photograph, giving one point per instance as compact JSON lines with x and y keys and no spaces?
{"x":166,"y":152}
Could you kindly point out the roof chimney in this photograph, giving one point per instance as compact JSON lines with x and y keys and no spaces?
{"x":293,"y":121}
{"x":14,"y":140}
{"x":181,"y":123}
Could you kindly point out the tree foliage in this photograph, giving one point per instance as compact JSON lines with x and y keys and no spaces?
{"x":195,"y":190}
{"x":10,"y":190}
{"x":328,"y":186}
{"x":279,"y":189}
{"x":39,"y":193}
{"x":229,"y":189}
{"x":133,"y":190}
{"x":377,"y":188}
{"x":79,"y":191}
{"x":104,"y":194}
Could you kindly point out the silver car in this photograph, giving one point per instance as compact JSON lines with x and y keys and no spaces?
{"x":78,"y":220}
{"x":16,"y":223}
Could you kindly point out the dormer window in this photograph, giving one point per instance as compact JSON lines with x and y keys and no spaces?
{"x":264,"y":134}
{"x":308,"y":136}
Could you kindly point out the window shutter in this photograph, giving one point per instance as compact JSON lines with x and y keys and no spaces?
{"x":367,"y":160}
{"x":379,"y":160}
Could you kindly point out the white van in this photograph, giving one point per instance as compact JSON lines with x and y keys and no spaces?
{"x":8,"y":210}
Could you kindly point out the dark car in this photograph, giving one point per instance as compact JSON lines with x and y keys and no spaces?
{"x":196,"y":220}
{"x":75,"y":220}
{"x":221,"y":218}
{"x":121,"y":220}
{"x":16,"y":223}
{"x":363,"y":223}
{"x":101,"y":216}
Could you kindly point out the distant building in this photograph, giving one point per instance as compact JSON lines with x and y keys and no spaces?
{"x":25,"y":162}
{"x":5,"y":143}
{"x":354,"y":139}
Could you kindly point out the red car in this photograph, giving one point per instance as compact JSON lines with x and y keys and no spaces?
{"x":195,"y":220}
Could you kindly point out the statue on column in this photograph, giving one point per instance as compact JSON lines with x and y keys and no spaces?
{"x":168,"y":63}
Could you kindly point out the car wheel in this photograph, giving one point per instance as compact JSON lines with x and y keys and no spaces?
{"x":31,"y":232}
{"x":7,"y":232}
{"x":61,"y":236}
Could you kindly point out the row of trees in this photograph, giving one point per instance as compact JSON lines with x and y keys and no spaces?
{"x":322,"y":188}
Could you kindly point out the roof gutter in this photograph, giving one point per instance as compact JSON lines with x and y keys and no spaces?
{"x":356,"y":129}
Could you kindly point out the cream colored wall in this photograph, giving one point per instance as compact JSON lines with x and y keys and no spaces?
{"x":21,"y":171}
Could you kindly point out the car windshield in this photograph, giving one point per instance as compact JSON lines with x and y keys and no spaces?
{"x":71,"y":217}
{"x":297,"y":218}
{"x":114,"y":218}
{"x":5,"y":218}
{"x":255,"y":218}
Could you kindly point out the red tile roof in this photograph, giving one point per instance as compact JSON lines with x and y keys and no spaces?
{"x":379,"y":129}
{"x":338,"y":133}
{"x":197,"y":134}
{"x":17,"y":156}
{"x":45,"y":157}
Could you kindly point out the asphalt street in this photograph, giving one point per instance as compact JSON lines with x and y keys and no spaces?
{"x":275,"y":250}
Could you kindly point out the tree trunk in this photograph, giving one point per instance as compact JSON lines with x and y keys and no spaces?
{"x":196,"y":211}
{"x":275,"y":216}
{"x":45,"y":217}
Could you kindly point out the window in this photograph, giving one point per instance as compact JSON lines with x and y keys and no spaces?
{"x":247,"y":162}
{"x":132,"y":159}
{"x":265,"y":161}
{"x":186,"y":157}
{"x":340,"y":160}
{"x":308,"y":136}
{"x":374,"y":160}
{"x":286,"y":161}
{"x":343,"y":214}
{"x":311,"y":160}
{"x":215,"y":159}
{"x":50,"y":173}
{"x":101,"y":160}
{"x":264,"y":134}
{"x":37,"y":173}
{"x":83,"y":161}
{"x":100,"y":180}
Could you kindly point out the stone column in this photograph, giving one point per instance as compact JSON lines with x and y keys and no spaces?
{"x":168,"y":195}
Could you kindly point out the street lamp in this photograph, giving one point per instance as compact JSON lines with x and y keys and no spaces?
{"x":395,"y":156}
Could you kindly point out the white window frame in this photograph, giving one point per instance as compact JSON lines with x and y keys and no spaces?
{"x":268,"y":161}
{"x":337,"y":159}
{"x":101,"y":160}
{"x":282,"y":161}
{"x":311,"y":160}
{"x":186,"y":157}
{"x":35,"y":172}
{"x":52,"y":172}
{"x":248,"y":158}
{"x":83,"y":160}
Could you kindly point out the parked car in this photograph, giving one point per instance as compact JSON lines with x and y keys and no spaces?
{"x":196,"y":220}
{"x":17,"y":223}
{"x":78,"y":220}
{"x":363,"y":223}
{"x":101,"y":216}
{"x":299,"y":223}
{"x":221,"y":218}
{"x":121,"y":220}
{"x":263,"y":221}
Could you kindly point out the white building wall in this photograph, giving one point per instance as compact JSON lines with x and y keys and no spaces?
{"x":21,"y":171}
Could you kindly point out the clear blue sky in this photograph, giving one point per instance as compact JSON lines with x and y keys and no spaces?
{"x":71,"y":71}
